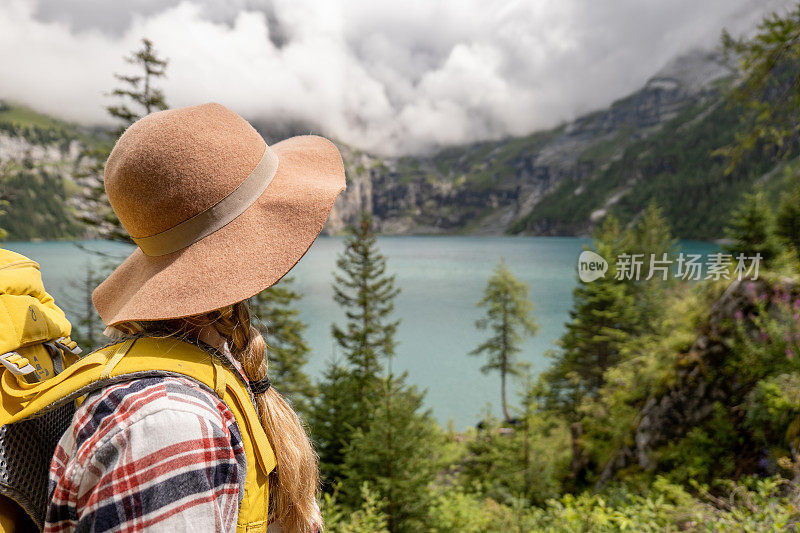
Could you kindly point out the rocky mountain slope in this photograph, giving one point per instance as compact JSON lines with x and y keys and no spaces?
{"x":562,"y":181}
{"x":556,"y":182}
{"x":40,"y":164}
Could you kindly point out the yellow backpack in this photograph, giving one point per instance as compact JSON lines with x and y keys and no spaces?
{"x":42,"y":378}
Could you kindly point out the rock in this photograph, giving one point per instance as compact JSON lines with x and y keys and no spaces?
{"x":698,"y":381}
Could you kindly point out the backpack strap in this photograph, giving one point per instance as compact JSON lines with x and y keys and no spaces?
{"x":148,"y":357}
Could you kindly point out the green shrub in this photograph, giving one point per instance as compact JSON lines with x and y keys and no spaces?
{"x":368,"y":518}
{"x":773,"y":410}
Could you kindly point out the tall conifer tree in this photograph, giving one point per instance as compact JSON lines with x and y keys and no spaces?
{"x":508,"y":310}
{"x":366,"y":293}
{"x":768,"y":90}
{"x":651,"y":237}
{"x":347,"y":392}
{"x":87,"y":329}
{"x":137,"y":96}
{"x":368,"y":425}
{"x":334,"y":412}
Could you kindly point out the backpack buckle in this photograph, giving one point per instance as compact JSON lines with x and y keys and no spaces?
{"x":65,"y":343}
{"x":19,"y":366}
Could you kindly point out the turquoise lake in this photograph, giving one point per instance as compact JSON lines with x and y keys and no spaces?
{"x":441,"y":279}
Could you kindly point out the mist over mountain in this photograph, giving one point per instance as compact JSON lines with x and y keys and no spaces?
{"x":535,"y":118}
{"x":654,"y":144}
{"x":564,"y":180}
{"x":388,"y":78}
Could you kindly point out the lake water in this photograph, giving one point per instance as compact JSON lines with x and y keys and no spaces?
{"x":441,"y":280}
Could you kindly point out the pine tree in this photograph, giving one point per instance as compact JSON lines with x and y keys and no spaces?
{"x":602,"y":318}
{"x":397,"y":455}
{"x":87,"y":327}
{"x":279,"y":318}
{"x":367,"y":294}
{"x":787,"y":221}
{"x":346,"y":393}
{"x":652,"y":235}
{"x":752,"y":229}
{"x":371,"y":428}
{"x":138,"y":89}
{"x":138,"y":96}
{"x":508,"y":317}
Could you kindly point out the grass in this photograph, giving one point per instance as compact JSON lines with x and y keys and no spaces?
{"x":24,"y":116}
{"x":38,"y":128}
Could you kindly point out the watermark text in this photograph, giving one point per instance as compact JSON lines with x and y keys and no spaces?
{"x":684,"y":266}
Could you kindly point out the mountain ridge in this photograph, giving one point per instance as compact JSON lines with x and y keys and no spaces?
{"x":562,"y":181}
{"x":495,"y":187}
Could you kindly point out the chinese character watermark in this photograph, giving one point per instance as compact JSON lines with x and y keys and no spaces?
{"x":685,"y":266}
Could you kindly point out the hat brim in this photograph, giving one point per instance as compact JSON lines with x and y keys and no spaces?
{"x":241,"y":259}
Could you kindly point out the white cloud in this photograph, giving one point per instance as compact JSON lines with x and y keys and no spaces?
{"x":388,"y":77}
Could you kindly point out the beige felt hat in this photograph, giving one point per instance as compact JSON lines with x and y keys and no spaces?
{"x":217,"y":215}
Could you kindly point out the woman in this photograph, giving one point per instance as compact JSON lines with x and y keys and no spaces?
{"x":218,"y":216}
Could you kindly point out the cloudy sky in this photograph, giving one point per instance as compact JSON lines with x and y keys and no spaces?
{"x":389,"y":77}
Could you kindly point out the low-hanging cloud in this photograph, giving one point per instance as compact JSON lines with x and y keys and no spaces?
{"x":389,"y":77}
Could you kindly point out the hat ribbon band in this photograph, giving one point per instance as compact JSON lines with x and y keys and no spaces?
{"x":215,"y":217}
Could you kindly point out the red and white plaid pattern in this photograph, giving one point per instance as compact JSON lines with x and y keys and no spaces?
{"x":161,"y":454}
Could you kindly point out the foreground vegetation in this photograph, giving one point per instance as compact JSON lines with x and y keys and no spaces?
{"x":669,"y":405}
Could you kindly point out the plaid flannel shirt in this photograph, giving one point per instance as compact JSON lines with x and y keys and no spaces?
{"x":160,"y":454}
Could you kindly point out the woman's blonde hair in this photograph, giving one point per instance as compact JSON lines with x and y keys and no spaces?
{"x":295,"y":481}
